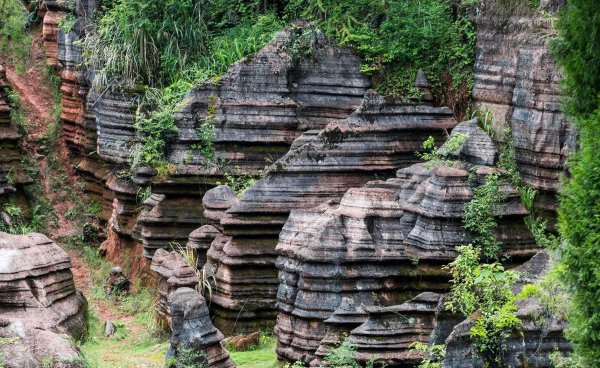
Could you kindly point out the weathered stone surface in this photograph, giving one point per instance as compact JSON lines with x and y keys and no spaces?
{"x":374,"y":141}
{"x":25,"y":346}
{"x":172,"y":272}
{"x":516,"y":76}
{"x":192,"y":329}
{"x":531,"y":345}
{"x":387,"y":240}
{"x":115,"y":110}
{"x":344,"y":319}
{"x":169,"y":223}
{"x":50,"y":35}
{"x":38,"y":301}
{"x":388,"y":332}
{"x":258,"y":108}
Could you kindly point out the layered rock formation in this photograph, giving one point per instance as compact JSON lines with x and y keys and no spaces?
{"x":516,"y":77}
{"x":374,"y":141}
{"x":193,"y":331}
{"x":13,"y":176}
{"x":383,"y":244}
{"x":171,"y":272}
{"x":258,"y":108}
{"x":38,"y":302}
{"x":346,"y":318}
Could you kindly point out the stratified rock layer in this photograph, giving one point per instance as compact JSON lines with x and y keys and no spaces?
{"x":515,"y":76}
{"x":374,"y":141}
{"x":193,"y":330}
{"x":384,"y":243}
{"x":171,"y":272}
{"x":38,"y":301}
{"x":258,"y":108}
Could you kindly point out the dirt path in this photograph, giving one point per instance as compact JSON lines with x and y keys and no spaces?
{"x":37,"y":100}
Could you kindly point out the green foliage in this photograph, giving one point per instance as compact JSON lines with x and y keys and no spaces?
{"x":23,"y":222}
{"x":143,"y":42}
{"x":67,"y":22}
{"x":483,"y":292}
{"x":239,"y":181}
{"x":16,"y":113}
{"x":480,"y":216}
{"x":579,"y":227}
{"x":187,"y":357}
{"x":397,"y":38}
{"x":440,"y":155}
{"x":577,"y":50}
{"x":342,"y":356}
{"x":15,"y":41}
{"x":434,"y":354}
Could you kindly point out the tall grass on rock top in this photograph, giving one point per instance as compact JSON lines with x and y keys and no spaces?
{"x":577,"y":50}
{"x":146,"y":42}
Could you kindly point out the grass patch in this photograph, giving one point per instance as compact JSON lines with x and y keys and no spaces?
{"x":263,"y":357}
{"x":128,"y":348}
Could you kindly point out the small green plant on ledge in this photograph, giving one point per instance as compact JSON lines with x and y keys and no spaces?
{"x":344,"y":356}
{"x":437,"y":156}
{"x":434,"y":354}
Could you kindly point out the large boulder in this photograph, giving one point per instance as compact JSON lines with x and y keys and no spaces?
{"x":40,"y":309}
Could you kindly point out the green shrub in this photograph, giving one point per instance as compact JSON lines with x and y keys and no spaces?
{"x":580,"y":230}
{"x":483,"y":291}
{"x":577,"y":50}
{"x":480,"y":216}
{"x":436,"y":156}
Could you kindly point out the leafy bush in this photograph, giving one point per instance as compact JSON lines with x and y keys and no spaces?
{"x":434,"y":354}
{"x":577,"y":50}
{"x":145,"y":42}
{"x":479,"y":216}
{"x":440,"y":155}
{"x":485,"y":289}
{"x":580,"y":230}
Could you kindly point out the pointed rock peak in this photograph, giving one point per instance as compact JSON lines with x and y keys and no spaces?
{"x":421,"y":80}
{"x":478,"y":148}
{"x":422,"y":84}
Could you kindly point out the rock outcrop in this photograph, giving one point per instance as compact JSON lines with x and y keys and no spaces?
{"x":346,"y":318}
{"x":515,"y":76}
{"x":373,"y":142}
{"x":385,"y":243}
{"x":172,"y":273}
{"x":39,"y":305}
{"x":258,"y":108}
{"x":194,"y":333}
